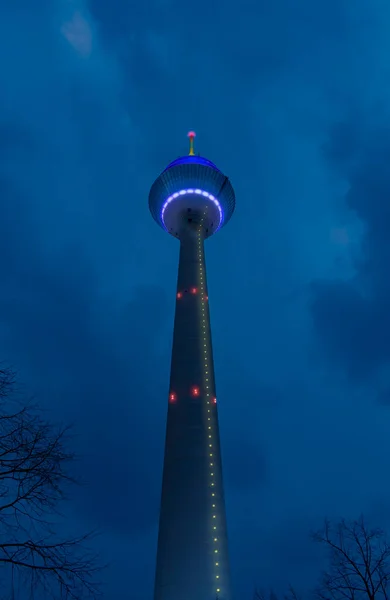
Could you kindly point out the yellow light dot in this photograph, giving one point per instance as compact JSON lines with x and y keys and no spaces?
{"x":216,"y":564}
{"x":213,"y":516}
{"x":218,"y":590}
{"x":215,"y":539}
{"x":212,"y":474}
{"x":217,"y":577}
{"x":209,"y":427}
{"x":212,"y":484}
{"x":214,"y":528}
{"x":213,"y":494}
{"x":210,"y":445}
{"x":213,"y":506}
{"x":216,"y":551}
{"x":209,"y":436}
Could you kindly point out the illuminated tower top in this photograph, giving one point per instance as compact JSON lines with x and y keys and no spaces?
{"x":191,"y":189}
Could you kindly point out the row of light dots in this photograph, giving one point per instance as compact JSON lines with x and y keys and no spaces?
{"x":206,"y":361}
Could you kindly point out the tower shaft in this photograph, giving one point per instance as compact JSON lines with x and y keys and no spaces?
{"x":192,"y":556}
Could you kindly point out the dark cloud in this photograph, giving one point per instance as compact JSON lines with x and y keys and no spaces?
{"x":352,"y":317}
{"x":61,"y":179}
{"x":246,"y":464}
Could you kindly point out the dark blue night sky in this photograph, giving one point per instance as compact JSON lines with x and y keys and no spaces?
{"x":291,"y":99}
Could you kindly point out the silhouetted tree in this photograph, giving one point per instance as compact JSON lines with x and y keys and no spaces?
{"x":34,"y":476}
{"x":261,"y":595}
{"x":359,"y":565}
{"x":358,"y":568}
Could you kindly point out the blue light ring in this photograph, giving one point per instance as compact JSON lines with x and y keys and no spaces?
{"x":197,"y":192}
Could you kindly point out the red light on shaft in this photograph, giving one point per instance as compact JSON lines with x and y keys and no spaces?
{"x":172,"y":397}
{"x":179,"y":295}
{"x":194,"y":290}
{"x":195,"y":391}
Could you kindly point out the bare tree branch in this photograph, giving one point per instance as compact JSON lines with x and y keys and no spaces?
{"x":359,"y":562}
{"x":34,"y":476}
{"x":292,"y":594}
{"x":260,"y":594}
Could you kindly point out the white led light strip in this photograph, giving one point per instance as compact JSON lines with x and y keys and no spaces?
{"x":198,"y":192}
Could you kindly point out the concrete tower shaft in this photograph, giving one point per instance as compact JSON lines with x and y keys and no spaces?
{"x":192,"y":558}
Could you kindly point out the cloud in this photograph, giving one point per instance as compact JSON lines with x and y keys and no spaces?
{"x":83,"y":335}
{"x":246,"y":464}
{"x":352,"y":317}
{"x":79,"y":34}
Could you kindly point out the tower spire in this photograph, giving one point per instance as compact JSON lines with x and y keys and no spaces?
{"x":191,"y":135}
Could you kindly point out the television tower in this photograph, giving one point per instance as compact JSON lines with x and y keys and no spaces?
{"x":192,"y":200}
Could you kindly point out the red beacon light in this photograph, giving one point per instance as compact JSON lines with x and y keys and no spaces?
{"x":172,"y":397}
{"x":195,"y":391}
{"x":194,"y":290}
{"x":179,"y":295}
{"x":214,"y":401}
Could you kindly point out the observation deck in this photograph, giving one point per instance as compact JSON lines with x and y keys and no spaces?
{"x":191,"y":188}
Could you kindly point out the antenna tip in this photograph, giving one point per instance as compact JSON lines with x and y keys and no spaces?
{"x":191,"y":135}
